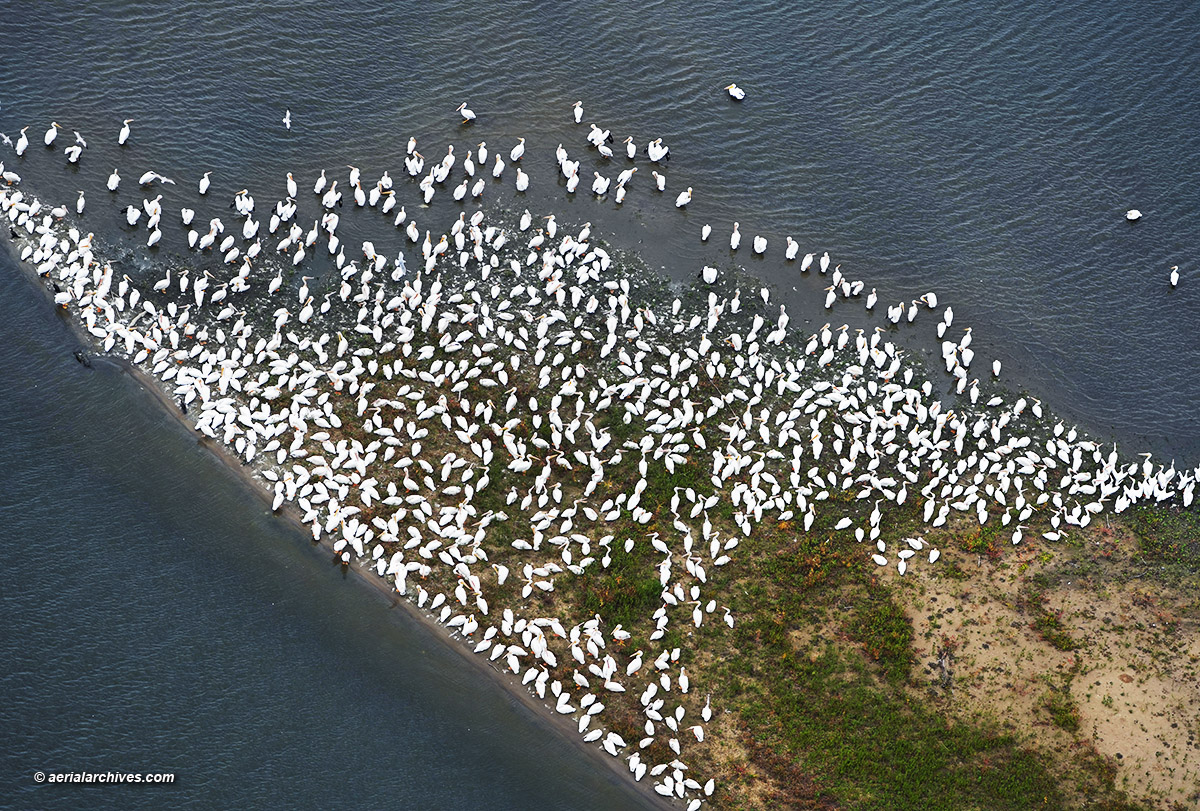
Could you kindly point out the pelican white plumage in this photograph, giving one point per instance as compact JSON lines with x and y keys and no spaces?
{"x":1133,"y":215}
{"x":760,"y":245}
{"x":704,"y":232}
{"x":709,"y":274}
{"x":79,"y":203}
{"x":684,"y":198}
{"x":735,"y":238}
{"x":287,"y":119}
{"x":467,"y":113}
{"x":123,"y":135}
{"x":825,"y":261}
{"x":522,"y":180}
{"x":22,"y":142}
{"x":578,"y":111}
{"x":517,"y":151}
{"x":52,"y":133}
{"x":204,"y":183}
{"x":114,"y":180}
{"x":736,"y":92}
{"x":600,"y":184}
{"x":1174,"y":275}
{"x":793,"y":248}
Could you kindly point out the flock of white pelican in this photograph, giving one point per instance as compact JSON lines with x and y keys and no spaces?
{"x":513,"y":384}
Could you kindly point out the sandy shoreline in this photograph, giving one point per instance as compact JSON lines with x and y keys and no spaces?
{"x":538,"y":711}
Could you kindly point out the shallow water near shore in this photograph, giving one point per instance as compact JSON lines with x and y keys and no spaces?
{"x":160,"y":620}
{"x":985,"y":154}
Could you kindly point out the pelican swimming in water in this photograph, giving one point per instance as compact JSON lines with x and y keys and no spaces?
{"x":22,"y":142}
{"x":52,"y":133}
{"x":123,"y":136}
{"x":793,"y":248}
{"x":204,"y":182}
{"x":1133,"y":215}
{"x":684,"y":198}
{"x":1174,"y":273}
{"x":467,"y":113}
{"x":736,"y":93}
{"x":578,"y":111}
{"x":735,"y":238}
{"x":114,"y":180}
{"x":517,"y":151}
{"x":760,"y":245}
{"x":704,"y":232}
{"x":287,"y":119}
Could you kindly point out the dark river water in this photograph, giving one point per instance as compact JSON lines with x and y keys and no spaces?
{"x":159,"y":620}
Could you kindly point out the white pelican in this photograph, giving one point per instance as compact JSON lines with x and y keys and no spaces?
{"x":291,"y":185}
{"x":517,"y":151}
{"x":793,"y":248}
{"x":204,"y":183}
{"x":467,"y":113}
{"x":600,"y":184}
{"x":522,"y":180}
{"x":704,"y":232}
{"x":79,"y":204}
{"x":736,"y":92}
{"x":123,"y":136}
{"x":735,"y":238}
{"x":760,"y":245}
{"x":114,"y":180}
{"x":52,"y":133}
{"x":1133,"y":215}
{"x":1174,"y":272}
{"x":22,"y":142}
{"x":684,"y":198}
{"x":287,"y":119}
{"x":709,"y":273}
{"x":825,"y":261}
{"x":630,"y":147}
{"x":578,"y":111}
{"x":659,"y":180}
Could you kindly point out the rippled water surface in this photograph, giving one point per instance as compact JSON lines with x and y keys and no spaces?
{"x":986,"y":154}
